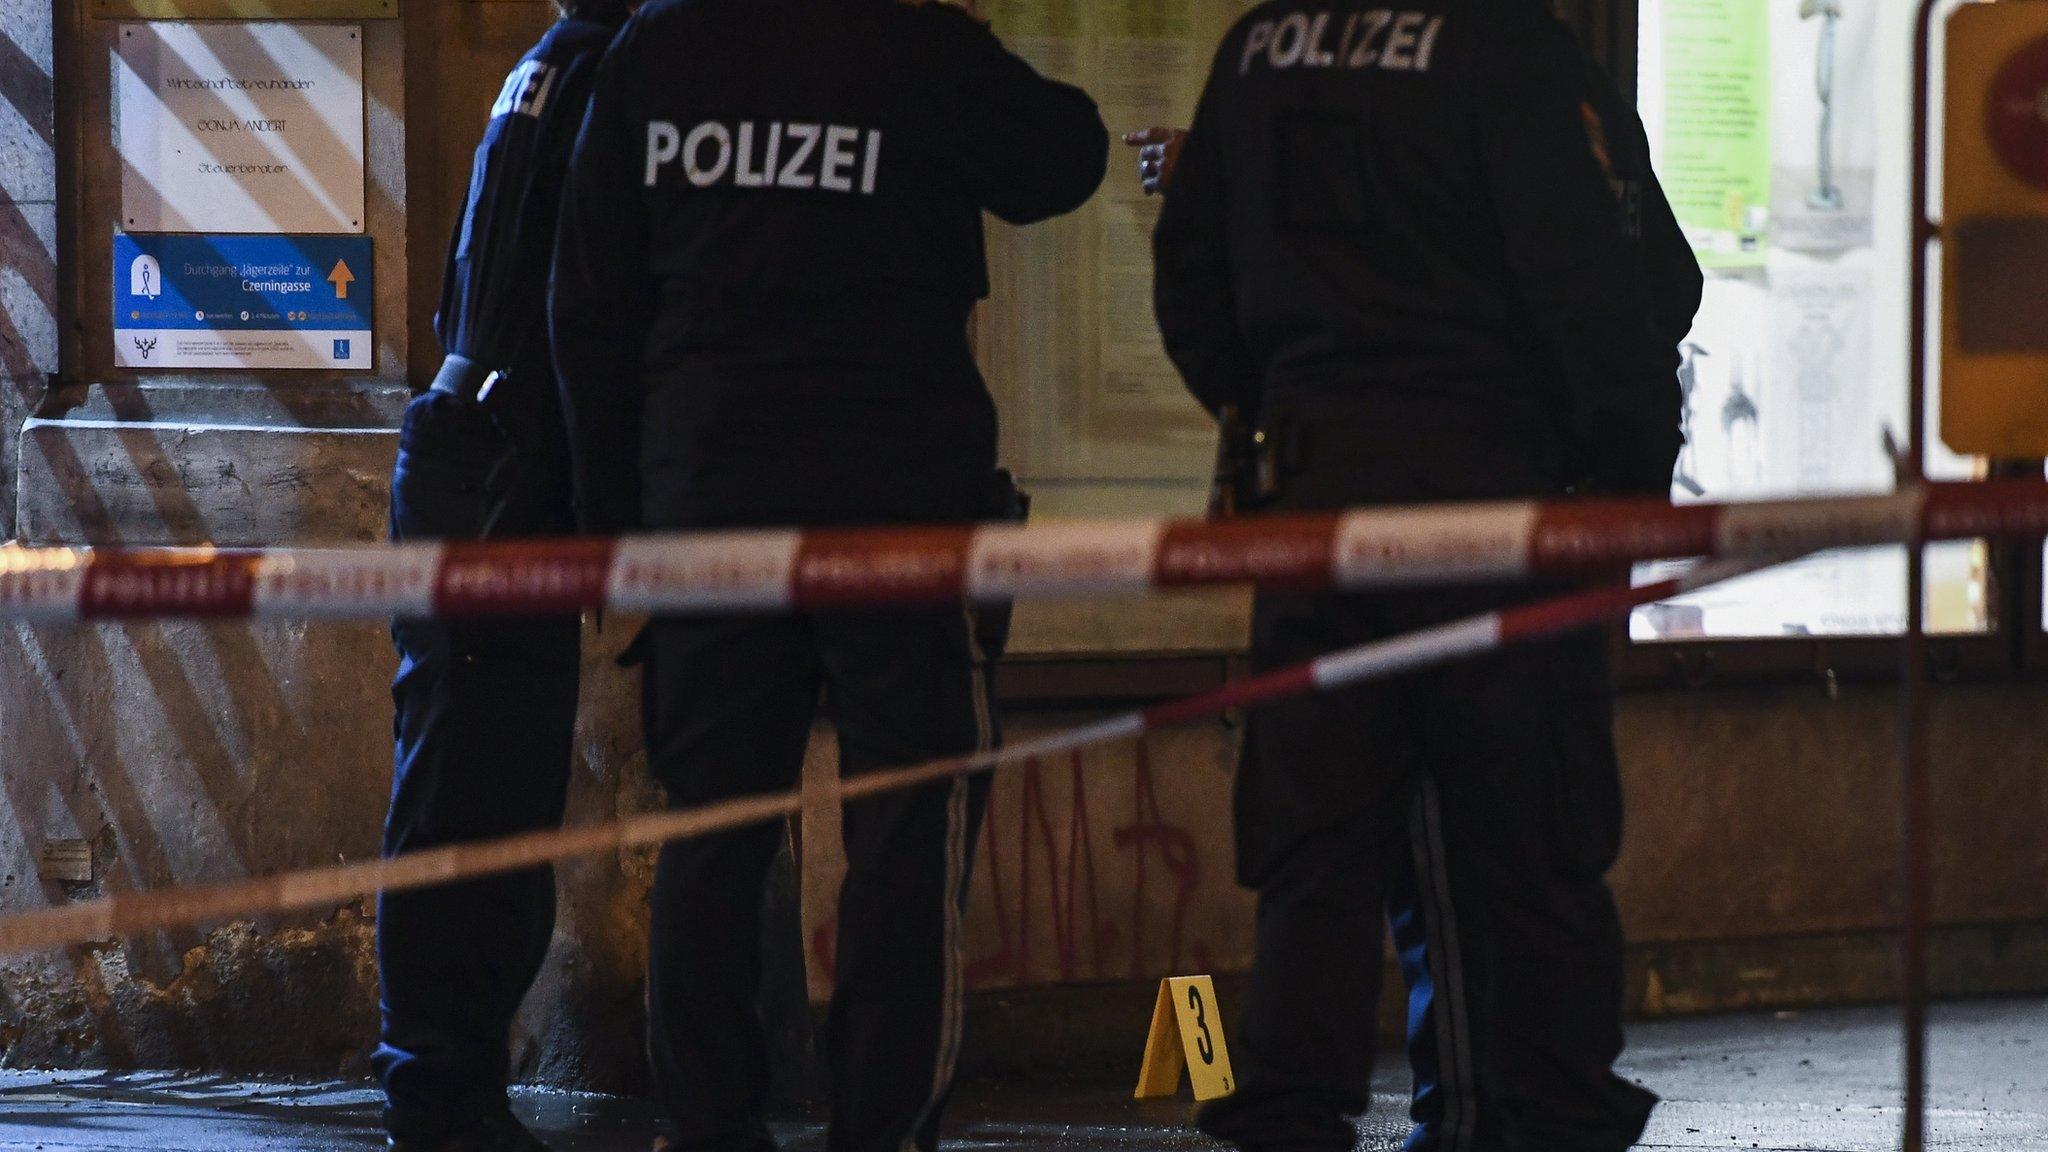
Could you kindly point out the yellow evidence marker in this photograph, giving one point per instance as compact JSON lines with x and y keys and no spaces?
{"x":1187,"y":1032}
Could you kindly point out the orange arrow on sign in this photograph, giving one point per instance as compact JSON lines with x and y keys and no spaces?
{"x":341,"y":278}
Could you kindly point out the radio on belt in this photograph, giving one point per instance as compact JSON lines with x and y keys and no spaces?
{"x":1994,"y":339}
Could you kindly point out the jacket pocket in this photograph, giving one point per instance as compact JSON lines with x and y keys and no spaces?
{"x":443,"y":432}
{"x":448,"y":455}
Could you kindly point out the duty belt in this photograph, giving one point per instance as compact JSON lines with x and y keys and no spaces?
{"x":465,"y":379}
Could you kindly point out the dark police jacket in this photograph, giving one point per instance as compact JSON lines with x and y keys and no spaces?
{"x":1426,"y":243}
{"x":493,"y":312}
{"x":771,"y":243}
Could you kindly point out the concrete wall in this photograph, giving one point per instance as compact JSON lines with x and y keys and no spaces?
{"x":28,"y":223}
{"x":1760,"y":867}
{"x":180,"y":752}
{"x":184,"y":753}
{"x":1761,"y":864}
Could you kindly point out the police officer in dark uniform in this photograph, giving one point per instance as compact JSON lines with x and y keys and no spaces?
{"x":771,"y":244}
{"x":1423,"y":244}
{"x":486,"y":711}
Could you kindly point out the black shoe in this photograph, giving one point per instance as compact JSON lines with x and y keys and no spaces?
{"x":499,"y":1133}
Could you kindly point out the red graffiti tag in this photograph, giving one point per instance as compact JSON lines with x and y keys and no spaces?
{"x":1176,"y":847}
{"x":1067,"y":893}
{"x":1086,"y":944}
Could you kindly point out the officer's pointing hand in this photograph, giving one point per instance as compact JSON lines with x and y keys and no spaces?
{"x":1158,"y":156}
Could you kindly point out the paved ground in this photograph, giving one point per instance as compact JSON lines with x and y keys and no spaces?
{"x":1815,"y":1082}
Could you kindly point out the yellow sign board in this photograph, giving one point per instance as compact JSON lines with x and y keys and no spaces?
{"x":244,"y":9}
{"x":1994,"y":298}
{"x":1187,"y":1032}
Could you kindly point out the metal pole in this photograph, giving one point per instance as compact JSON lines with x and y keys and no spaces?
{"x":1916,"y":792}
{"x":1916,"y":805}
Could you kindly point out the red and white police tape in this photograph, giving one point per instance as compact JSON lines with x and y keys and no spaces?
{"x":133,"y":913}
{"x":796,"y":569}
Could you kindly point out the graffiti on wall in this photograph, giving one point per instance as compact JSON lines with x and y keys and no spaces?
{"x":1111,"y":864}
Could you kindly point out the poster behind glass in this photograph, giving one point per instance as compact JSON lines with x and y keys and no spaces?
{"x":1781,"y":159}
{"x":1094,"y":416}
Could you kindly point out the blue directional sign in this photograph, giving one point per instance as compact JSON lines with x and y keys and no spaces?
{"x":260,"y":302}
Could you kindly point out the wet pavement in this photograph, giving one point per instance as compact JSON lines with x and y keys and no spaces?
{"x":1812,"y":1082}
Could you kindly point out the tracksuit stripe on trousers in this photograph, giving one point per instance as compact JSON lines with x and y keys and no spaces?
{"x":948,"y":1055}
{"x":1457,"y":1099}
{"x":959,"y":852}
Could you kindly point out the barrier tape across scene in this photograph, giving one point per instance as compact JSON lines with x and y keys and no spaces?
{"x":135,"y":913}
{"x":781,"y":570}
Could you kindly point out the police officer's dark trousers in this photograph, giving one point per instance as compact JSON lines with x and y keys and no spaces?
{"x":730,"y":704}
{"x":1479,"y":805}
{"x":486,"y":714}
